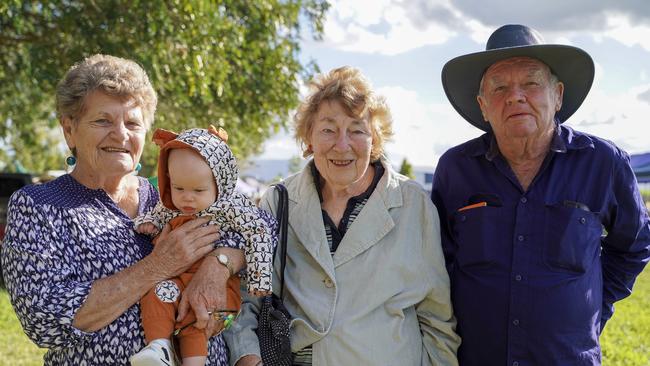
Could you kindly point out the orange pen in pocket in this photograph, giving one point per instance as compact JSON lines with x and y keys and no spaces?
{"x":474,"y":205}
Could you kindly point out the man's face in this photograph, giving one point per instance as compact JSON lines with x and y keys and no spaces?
{"x":519,"y":99}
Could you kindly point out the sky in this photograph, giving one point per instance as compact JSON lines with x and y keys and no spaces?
{"x":401,"y":47}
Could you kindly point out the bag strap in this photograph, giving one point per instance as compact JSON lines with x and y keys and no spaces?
{"x":282,"y":215}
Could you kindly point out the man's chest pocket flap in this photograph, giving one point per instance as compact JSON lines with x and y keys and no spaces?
{"x":477,"y":232}
{"x":572,"y":236}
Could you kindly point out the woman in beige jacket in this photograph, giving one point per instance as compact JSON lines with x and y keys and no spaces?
{"x":365,"y":280}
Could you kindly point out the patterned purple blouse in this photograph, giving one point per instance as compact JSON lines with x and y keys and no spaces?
{"x":60,"y":237}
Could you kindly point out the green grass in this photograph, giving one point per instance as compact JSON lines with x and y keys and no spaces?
{"x":645,"y":193}
{"x":626,"y":339}
{"x":625,"y":342}
{"x":15,"y":347}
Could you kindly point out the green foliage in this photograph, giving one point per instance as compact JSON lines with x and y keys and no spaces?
{"x":626,"y":338}
{"x":645,"y":193}
{"x":406,"y":169}
{"x":295,"y":164}
{"x":230,"y":63}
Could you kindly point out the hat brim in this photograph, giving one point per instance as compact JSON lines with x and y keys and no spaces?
{"x":462,"y":75}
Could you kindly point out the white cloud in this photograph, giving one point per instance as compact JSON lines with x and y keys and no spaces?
{"x":382,"y":27}
{"x":620,"y":28}
{"x":391,"y":27}
{"x":617,"y":116}
{"x":423,"y":130}
{"x":621,"y":118}
{"x":281,"y":146}
{"x":363,"y":12}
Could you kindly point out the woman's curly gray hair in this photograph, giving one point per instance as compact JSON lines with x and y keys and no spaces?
{"x":112,"y":75}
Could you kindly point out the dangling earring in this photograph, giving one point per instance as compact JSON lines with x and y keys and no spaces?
{"x":71,"y":160}
{"x":138,"y":167}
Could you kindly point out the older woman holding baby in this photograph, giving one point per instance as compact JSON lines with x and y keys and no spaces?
{"x":365,"y":279}
{"x":74,"y":267}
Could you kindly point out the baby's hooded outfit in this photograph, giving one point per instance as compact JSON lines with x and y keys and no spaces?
{"x":242,"y":225}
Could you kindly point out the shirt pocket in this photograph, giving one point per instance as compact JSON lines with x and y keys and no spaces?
{"x":571,"y":237}
{"x":474,"y":231}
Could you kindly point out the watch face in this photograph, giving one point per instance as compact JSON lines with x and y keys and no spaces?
{"x":223,"y":259}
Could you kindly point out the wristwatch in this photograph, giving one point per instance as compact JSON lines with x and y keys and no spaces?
{"x":223,"y":259}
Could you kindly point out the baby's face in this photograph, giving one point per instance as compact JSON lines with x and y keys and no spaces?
{"x":191,"y":181}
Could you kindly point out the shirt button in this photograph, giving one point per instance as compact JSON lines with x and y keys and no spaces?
{"x":463,"y":218}
{"x":515,"y":322}
{"x":523,"y":200}
{"x":518,"y":277}
{"x":583,"y":220}
{"x":520,"y":238}
{"x":515,"y":363}
{"x":328,"y":283}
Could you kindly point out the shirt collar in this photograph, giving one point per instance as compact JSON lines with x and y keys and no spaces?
{"x":564,"y":139}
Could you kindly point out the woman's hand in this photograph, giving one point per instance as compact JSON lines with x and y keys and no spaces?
{"x":250,"y":360}
{"x":177,"y":249}
{"x":207,"y":290}
{"x":174,"y":252}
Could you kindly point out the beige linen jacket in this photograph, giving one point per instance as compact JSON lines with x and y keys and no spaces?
{"x":381,"y":299}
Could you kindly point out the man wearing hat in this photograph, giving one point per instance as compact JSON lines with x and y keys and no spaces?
{"x":543,"y":226}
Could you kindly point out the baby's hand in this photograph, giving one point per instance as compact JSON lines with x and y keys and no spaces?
{"x":147,"y":228}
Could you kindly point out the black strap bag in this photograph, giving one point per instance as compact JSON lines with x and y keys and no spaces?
{"x":274,"y":318}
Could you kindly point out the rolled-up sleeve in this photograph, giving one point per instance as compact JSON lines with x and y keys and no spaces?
{"x":44,"y":291}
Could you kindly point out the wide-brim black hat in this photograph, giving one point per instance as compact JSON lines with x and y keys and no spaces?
{"x":462,"y":75}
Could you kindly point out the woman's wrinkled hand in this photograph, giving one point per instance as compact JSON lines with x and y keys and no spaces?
{"x":177,"y":249}
{"x":204,"y":293}
{"x":207,"y":291}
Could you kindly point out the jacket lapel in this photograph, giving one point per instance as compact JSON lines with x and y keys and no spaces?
{"x":374,"y":220}
{"x":306,"y":220}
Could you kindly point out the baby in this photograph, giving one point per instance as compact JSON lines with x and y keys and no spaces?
{"x":197,"y":173}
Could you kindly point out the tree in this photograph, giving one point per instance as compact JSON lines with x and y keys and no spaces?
{"x":230,"y":63}
{"x":407,"y":169}
{"x":295,"y":164}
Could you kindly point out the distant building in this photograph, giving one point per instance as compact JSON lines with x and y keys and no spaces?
{"x":424,"y":176}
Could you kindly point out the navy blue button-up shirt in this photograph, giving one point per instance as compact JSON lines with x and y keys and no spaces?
{"x":535,"y":273}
